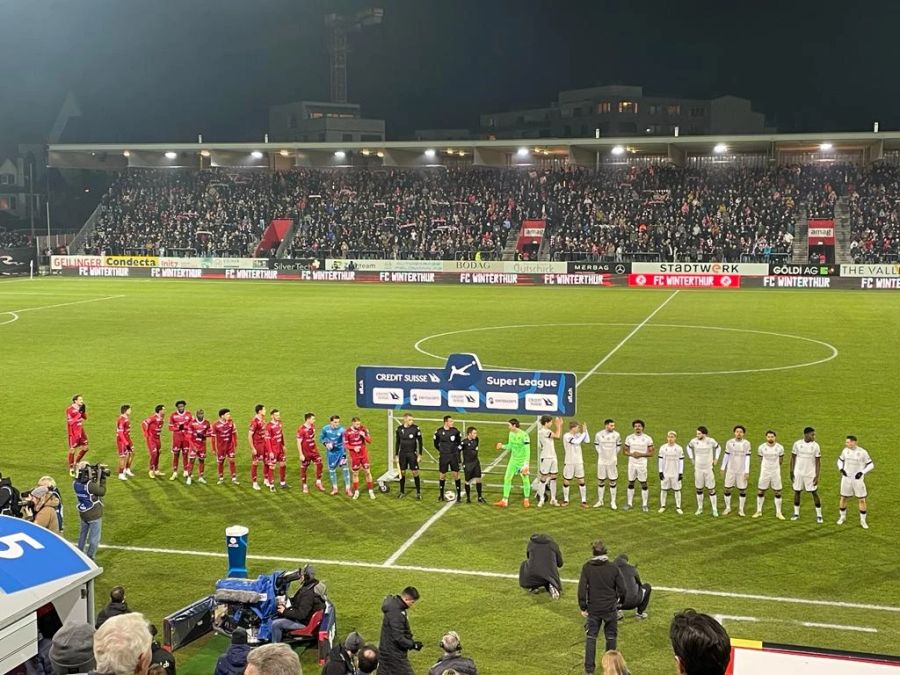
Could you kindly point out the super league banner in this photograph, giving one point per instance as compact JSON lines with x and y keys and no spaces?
{"x":15,"y":261}
{"x":463,"y":385}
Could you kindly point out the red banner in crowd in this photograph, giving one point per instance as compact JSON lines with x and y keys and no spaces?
{"x":821,"y":231}
{"x":273,"y":236}
{"x":532,"y":232}
{"x":685,"y":280}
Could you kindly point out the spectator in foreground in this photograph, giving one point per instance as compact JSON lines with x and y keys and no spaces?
{"x":452,"y":658}
{"x":600,"y":589}
{"x":273,"y":659}
{"x":122,"y":646}
{"x":342,"y":658}
{"x":160,"y":656}
{"x":700,"y":643}
{"x":72,"y":649}
{"x":234,"y":660}
{"x":115,"y":607}
{"x":44,"y":504}
{"x":368,"y":659}
{"x":540,"y":570}
{"x":613,"y":663}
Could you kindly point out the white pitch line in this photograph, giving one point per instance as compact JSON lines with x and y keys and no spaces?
{"x":721,"y":618}
{"x":624,"y":340}
{"x":501,"y":575}
{"x":62,"y":304}
{"x":831,"y":626}
{"x":440,"y":512}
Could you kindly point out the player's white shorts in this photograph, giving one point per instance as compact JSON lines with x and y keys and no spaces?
{"x":670,"y":483}
{"x":637,"y":473}
{"x":769,"y":479}
{"x":802,"y":483}
{"x":571,"y":471}
{"x":850,"y":487}
{"x":705,"y":478}
{"x":549,"y":465}
{"x":738,"y":480}
{"x":607,"y":471}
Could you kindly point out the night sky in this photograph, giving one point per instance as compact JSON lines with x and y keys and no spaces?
{"x":161,"y":70}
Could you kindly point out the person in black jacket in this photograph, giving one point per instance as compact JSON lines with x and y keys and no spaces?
{"x":541,"y":568}
{"x":159,"y":655}
{"x":600,"y":589}
{"x":342,"y":658}
{"x":234,"y":660}
{"x":637,"y":593}
{"x":448,"y":443}
{"x":452,"y":658}
{"x":304,"y":603}
{"x":396,"y":635}
{"x":114,"y":607}
{"x":408,"y":446}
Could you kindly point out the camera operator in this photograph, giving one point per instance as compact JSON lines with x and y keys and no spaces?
{"x":43,"y":505}
{"x":90,"y":487}
{"x":10,"y":500}
{"x":50,"y":484}
{"x":452,"y":658}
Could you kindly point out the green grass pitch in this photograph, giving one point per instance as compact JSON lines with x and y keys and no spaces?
{"x":295,"y":347}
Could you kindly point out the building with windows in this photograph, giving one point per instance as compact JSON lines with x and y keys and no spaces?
{"x":625,"y":111}
{"x":319,"y":122}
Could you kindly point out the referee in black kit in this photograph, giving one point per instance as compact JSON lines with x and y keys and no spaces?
{"x":409,"y":449}
{"x":448,"y":443}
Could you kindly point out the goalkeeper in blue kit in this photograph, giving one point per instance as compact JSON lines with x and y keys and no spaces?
{"x":332,"y":437}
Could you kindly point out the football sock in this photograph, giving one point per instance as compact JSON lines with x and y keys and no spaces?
{"x":629,"y":496}
{"x":201,"y":468}
{"x":662,"y":498}
{"x":81,"y":454}
{"x":442,"y":483}
{"x":583,"y":490}
{"x":714,"y":502}
{"x":818,"y":511}
{"x":402,"y":484}
{"x":71,"y":459}
{"x":553,"y":489}
{"x":645,"y":496}
{"x":612,"y":494}
{"x":742,"y":502}
{"x":458,"y":488}
{"x":220,"y":467}
{"x":796,"y":509}
{"x":565,"y":492}
{"x":282,"y":473}
{"x":600,"y":492}
{"x":332,"y":474}
{"x":777,"y":504}
{"x":254,"y":470}
{"x":677,"y":499}
{"x":346,"y":476}
{"x":418,"y":484}
{"x":728,"y":502}
{"x":541,"y":491}
{"x":759,"y":504}
{"x":468,"y":491}
{"x":232,"y":468}
{"x":862,"y":516}
{"x":478,"y":488}
{"x":526,"y":485}
{"x":319,"y":472}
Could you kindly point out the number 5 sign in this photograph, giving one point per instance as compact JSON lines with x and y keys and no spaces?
{"x":12,"y":545}
{"x":31,"y":556}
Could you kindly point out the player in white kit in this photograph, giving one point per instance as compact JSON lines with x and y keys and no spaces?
{"x":607,"y":441}
{"x":854,"y":463}
{"x":573,"y":464}
{"x":736,"y":468}
{"x":806,"y":461}
{"x":548,"y":462}
{"x":671,"y":471}
{"x":771,"y":455}
{"x":638,"y":447}
{"x":704,"y":452}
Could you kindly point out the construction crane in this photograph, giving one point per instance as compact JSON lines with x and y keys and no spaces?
{"x":341,"y":26}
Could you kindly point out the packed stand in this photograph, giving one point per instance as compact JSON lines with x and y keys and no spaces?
{"x":874,"y":203}
{"x":14,"y":239}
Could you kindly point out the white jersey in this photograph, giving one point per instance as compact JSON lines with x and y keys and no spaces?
{"x":854,"y":460}
{"x":545,"y":444}
{"x":771,"y":457}
{"x":704,"y":452}
{"x":572,"y":444}
{"x":671,"y":460}
{"x":607,"y":444}
{"x":805,"y":462}
{"x":738,"y":452}
{"x":639,"y":443}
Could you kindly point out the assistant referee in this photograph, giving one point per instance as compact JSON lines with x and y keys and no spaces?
{"x":409,"y":448}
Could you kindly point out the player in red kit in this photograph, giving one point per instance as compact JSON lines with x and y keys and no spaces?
{"x":275,"y":451}
{"x":152,"y":428}
{"x":257,"y":436}
{"x":76,"y":414}
{"x":355,"y":440}
{"x":309,"y":453}
{"x":224,"y":437}
{"x":124,"y":446}
{"x":199,"y":430}
{"x":180,"y":426}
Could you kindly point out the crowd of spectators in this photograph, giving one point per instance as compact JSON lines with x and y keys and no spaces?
{"x":874,"y":209}
{"x":14,"y":238}
{"x":612,"y":213}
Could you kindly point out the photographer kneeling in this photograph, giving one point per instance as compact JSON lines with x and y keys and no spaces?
{"x":90,"y":486}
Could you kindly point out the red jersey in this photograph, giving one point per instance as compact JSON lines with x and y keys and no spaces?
{"x":224,"y":435}
{"x":355,"y":439}
{"x":179,"y":425}
{"x":275,"y":435}
{"x":199,"y":431}
{"x":123,"y":431}
{"x":75,"y":419}
{"x":307,"y":437}
{"x":152,"y":427}
{"x":258,"y":432}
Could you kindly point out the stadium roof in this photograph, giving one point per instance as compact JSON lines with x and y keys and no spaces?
{"x":865,"y":146}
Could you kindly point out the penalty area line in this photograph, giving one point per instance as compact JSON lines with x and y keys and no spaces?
{"x":442,"y":511}
{"x":502,"y":575}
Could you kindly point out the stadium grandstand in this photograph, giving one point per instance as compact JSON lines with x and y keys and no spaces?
{"x":739,"y":198}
